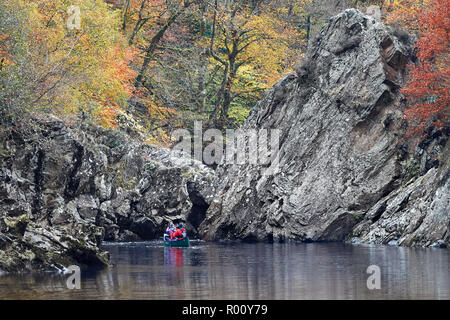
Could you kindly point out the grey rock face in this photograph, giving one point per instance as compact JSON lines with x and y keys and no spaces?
{"x":27,"y":245}
{"x":341,"y":159}
{"x":76,"y":187}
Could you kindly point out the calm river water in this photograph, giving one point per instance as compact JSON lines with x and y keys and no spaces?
{"x":148,"y":270}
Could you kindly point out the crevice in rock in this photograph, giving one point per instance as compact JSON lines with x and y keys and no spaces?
{"x":403,"y":204}
{"x":391,"y":186}
{"x":73,"y":183}
{"x":199,"y":206}
{"x":379,"y":212}
{"x":250,"y":238}
{"x":38,"y":179}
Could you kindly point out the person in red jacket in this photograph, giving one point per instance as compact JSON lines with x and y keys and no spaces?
{"x":180,"y":233}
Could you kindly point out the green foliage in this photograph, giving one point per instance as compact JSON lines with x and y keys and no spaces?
{"x":410,"y":168}
{"x":238,"y":114}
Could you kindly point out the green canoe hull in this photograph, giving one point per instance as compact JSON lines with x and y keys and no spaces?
{"x":177,"y":243}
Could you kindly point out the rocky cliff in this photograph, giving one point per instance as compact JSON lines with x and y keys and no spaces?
{"x":345,"y":170}
{"x":65,"y":190}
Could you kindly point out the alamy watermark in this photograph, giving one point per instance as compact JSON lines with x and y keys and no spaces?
{"x":74,"y":20}
{"x":375,"y":12}
{"x":74,"y":280}
{"x":258,"y":147}
{"x":374,"y":280}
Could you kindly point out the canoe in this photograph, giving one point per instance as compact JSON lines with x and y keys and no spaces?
{"x":176,"y":243}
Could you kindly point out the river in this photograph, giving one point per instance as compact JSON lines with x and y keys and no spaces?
{"x":148,"y":270}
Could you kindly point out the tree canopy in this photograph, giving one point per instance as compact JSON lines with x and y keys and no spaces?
{"x":160,"y":64}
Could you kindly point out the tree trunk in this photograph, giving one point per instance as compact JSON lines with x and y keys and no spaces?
{"x":308,"y":28}
{"x":227,"y":94}
{"x":220,"y":94}
{"x":139,"y":23}
{"x":124,"y":24}
{"x":150,"y":50}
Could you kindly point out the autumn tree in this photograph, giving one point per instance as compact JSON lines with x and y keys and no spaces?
{"x":428,"y":86}
{"x":69,"y":71}
{"x":151,"y":18}
{"x":147,"y":24}
{"x":207,"y":59}
{"x":14,"y":96}
{"x":405,"y":13}
{"x":250,"y":46}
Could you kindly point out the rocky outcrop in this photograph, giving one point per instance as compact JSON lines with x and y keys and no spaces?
{"x":345,"y":170}
{"x":27,"y":245}
{"x":65,"y":190}
{"x":415,"y":214}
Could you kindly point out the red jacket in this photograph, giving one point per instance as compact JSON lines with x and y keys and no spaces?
{"x":179,"y":233}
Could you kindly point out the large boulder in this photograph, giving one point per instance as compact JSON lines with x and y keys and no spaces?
{"x":342,"y":154}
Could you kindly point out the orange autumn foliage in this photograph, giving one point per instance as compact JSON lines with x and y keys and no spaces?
{"x":73,"y":72}
{"x":428,"y":87}
{"x":116,"y":64}
{"x":405,"y":12}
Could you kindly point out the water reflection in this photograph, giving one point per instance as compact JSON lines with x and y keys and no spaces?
{"x":173,"y":256}
{"x":148,"y":270}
